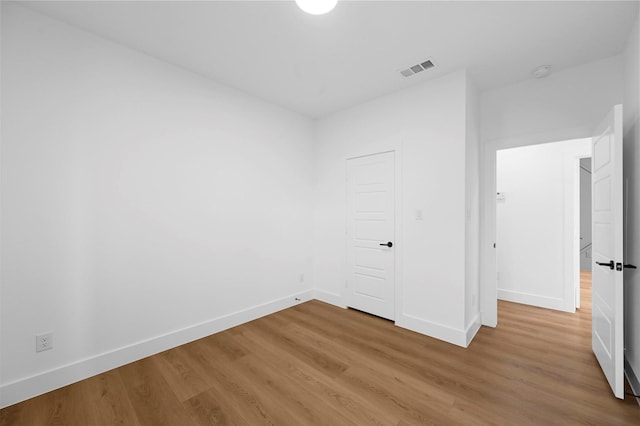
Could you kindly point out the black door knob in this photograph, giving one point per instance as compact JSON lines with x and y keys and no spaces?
{"x":389,"y":244}
{"x":610,"y":264}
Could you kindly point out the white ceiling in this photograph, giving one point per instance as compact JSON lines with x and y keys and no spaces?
{"x":317,"y":65}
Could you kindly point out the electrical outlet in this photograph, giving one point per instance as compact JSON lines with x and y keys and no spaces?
{"x":44,"y":342}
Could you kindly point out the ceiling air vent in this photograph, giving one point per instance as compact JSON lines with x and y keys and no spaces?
{"x":415,"y":69}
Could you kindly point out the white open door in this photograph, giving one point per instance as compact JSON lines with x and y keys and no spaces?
{"x":607,"y":210}
{"x":370,"y":234}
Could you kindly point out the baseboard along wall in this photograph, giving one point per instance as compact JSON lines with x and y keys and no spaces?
{"x":29,"y":387}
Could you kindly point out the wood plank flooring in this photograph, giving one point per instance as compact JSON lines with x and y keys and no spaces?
{"x":315,"y":364}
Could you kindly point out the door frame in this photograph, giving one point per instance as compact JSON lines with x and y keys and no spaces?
{"x":398,"y":245}
{"x":569,"y":153}
{"x":578,"y":224}
{"x":488,"y":258}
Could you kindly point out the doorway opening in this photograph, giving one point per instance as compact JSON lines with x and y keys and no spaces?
{"x":538,"y":226}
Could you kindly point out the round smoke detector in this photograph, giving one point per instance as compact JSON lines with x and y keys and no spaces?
{"x":541,"y":71}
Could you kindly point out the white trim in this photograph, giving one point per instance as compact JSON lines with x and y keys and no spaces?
{"x":472,"y":330}
{"x":488,"y":266}
{"x":556,"y":303}
{"x":571,"y":224}
{"x":435,"y":330}
{"x":334,"y":299}
{"x":570,"y":230}
{"x":399,"y":231}
{"x":29,"y":387}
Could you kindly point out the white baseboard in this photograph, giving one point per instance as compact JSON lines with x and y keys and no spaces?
{"x":532,"y":299}
{"x":489,"y":320}
{"x":29,"y":387}
{"x":632,"y":378}
{"x":472,"y":330}
{"x":330,"y":298}
{"x":431,"y":329}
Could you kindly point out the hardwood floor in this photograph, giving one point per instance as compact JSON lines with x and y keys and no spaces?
{"x":315,"y":364}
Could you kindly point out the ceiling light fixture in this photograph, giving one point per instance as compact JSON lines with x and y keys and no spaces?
{"x":317,"y":7}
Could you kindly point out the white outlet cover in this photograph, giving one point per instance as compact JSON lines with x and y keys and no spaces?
{"x":44,"y":342}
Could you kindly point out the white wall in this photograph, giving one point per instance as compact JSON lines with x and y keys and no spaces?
{"x":126,"y":237}
{"x":535,"y":223}
{"x":142,"y":206}
{"x":632,"y":217}
{"x":565,"y":105}
{"x":426,"y":126}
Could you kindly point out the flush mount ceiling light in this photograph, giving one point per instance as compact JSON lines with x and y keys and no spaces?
{"x":541,"y":71}
{"x":317,"y":7}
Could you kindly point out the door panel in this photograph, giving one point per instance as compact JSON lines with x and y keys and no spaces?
{"x":608,"y":293}
{"x":370,"y":223}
